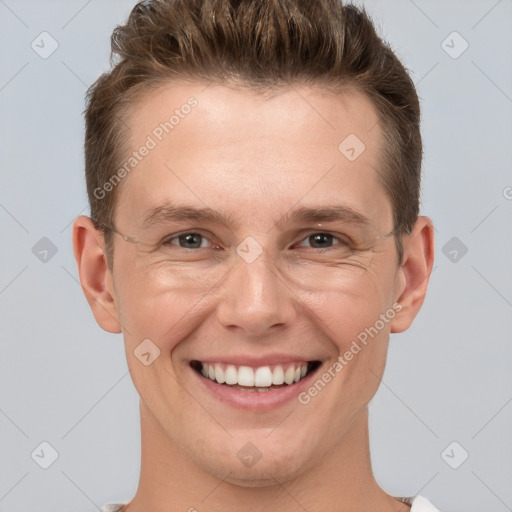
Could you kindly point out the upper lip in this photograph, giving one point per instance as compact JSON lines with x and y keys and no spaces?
{"x":257,"y":361}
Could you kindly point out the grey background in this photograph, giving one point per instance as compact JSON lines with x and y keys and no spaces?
{"x":65,"y":381}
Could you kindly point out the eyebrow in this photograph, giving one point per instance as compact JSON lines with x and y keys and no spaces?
{"x":169,"y":213}
{"x":325,"y":214}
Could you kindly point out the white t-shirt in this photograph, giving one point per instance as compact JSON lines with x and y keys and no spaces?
{"x":418,"y":504}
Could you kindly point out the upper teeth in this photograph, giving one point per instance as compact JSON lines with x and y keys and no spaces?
{"x":264,"y":376}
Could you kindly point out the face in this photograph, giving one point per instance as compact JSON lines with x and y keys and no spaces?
{"x":279,"y":278}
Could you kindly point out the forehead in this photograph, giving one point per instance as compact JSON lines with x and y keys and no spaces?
{"x":237,"y":151}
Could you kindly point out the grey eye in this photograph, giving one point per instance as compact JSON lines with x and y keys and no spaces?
{"x":321,"y":240}
{"x":189,"y":241}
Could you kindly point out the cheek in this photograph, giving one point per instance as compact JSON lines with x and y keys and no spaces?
{"x":356,"y":322}
{"x":345,"y":312}
{"x":350,"y":378}
{"x":154,"y":306}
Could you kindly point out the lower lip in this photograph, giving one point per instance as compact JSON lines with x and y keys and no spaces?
{"x":254,"y":400}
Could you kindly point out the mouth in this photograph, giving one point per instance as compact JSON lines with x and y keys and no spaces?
{"x":255,"y":379}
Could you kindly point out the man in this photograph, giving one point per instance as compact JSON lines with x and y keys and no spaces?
{"x":253,"y":169}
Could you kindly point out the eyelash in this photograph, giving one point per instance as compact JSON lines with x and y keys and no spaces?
{"x":343,"y":240}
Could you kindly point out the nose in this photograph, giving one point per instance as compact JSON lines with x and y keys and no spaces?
{"x":255,"y":298}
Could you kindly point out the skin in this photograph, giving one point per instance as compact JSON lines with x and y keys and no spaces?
{"x":254,"y":158}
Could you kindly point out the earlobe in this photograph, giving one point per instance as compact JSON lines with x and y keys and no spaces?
{"x":95,"y":277}
{"x":414,"y":273}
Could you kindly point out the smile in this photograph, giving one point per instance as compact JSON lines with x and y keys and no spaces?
{"x":250,"y":379}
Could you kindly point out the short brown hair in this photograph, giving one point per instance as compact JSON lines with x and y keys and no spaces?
{"x":262,"y":44}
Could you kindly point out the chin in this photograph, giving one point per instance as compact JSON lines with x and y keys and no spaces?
{"x":249,"y":466}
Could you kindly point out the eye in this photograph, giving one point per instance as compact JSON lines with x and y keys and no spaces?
{"x":323,"y":241}
{"x":189,"y":240}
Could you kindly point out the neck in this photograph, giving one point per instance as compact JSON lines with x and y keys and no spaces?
{"x":171,"y":482}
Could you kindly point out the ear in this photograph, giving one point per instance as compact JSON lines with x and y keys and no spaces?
{"x":414,"y":273}
{"x":95,"y":276}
